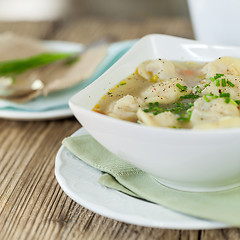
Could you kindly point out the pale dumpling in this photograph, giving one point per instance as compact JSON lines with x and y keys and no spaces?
{"x":225,"y":122}
{"x":216,"y":90}
{"x":157,"y":70}
{"x":164,"y":119}
{"x":222,"y":65}
{"x":125,"y":108}
{"x":165,"y":92}
{"x":212,"y":111}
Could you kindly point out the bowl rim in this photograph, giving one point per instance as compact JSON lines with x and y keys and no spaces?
{"x":124,"y":123}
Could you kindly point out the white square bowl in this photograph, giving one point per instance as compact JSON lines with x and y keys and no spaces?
{"x":185,"y":159}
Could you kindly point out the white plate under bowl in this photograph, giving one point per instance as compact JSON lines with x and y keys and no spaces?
{"x":80,"y":182}
{"x":43,"y":115}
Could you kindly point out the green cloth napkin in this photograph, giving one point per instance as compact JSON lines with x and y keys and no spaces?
{"x":221,"y":206}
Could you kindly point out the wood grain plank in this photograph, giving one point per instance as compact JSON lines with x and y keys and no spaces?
{"x":34,"y":29}
{"x":34,"y":162}
{"x":90,"y":29}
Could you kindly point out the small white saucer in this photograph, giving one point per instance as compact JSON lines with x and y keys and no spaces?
{"x":40,"y":115}
{"x":80,"y":182}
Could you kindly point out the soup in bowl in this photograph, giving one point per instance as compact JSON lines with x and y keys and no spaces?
{"x":185,"y":133}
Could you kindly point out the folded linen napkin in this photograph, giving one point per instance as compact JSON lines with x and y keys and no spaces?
{"x":55,"y":77}
{"x":221,"y":206}
{"x":59,"y":99}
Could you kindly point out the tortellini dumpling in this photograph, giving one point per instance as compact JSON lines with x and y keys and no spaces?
{"x":222,"y":65}
{"x":216,"y":90}
{"x":157,"y":70}
{"x":212,"y":111}
{"x":165,"y":92}
{"x":125,"y":108}
{"x":164,"y":119}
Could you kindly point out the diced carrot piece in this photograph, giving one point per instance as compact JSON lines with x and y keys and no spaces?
{"x":188,"y":72}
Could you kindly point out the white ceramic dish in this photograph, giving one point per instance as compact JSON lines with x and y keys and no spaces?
{"x":211,"y":29}
{"x":180,"y":158}
{"x":44,"y":115}
{"x":80,"y":182}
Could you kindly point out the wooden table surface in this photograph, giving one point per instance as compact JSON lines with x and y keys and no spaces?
{"x":32,"y":204}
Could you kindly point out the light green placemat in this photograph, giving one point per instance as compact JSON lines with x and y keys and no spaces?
{"x":221,"y":206}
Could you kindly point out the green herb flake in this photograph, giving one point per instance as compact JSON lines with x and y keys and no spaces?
{"x":224,"y":82}
{"x":206,"y":85}
{"x":217,"y":83}
{"x":233,"y":102}
{"x":227,"y":100}
{"x":176,"y":108}
{"x":224,"y":95}
{"x":237,"y":101}
{"x":198,"y":89}
{"x":214,"y":96}
{"x":212,"y":79}
{"x":182,"y":88}
{"x":206,"y":98}
{"x":185,"y":117}
{"x":230,"y":84}
{"x":218,"y":75}
{"x":190,"y":96}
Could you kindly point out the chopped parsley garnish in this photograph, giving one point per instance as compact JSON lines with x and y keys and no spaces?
{"x":198,"y":89}
{"x":230,"y":84}
{"x":233,"y":102}
{"x":154,"y":108}
{"x":224,"y":95}
{"x":185,"y":117}
{"x":206,"y":85}
{"x":230,"y":100}
{"x":218,"y":75}
{"x":216,"y":78}
{"x":211,"y":95}
{"x":182,"y":88}
{"x":190,"y":96}
{"x":176,"y":108}
{"x":206,"y":98}
{"x":224,"y":82}
{"x":227,"y":100}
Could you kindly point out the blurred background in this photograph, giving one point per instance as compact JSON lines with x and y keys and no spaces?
{"x":43,"y":10}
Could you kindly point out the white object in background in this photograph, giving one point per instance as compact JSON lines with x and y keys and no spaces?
{"x":216,"y":21}
{"x":36,"y":10}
